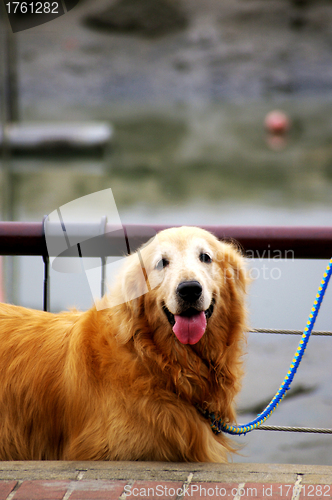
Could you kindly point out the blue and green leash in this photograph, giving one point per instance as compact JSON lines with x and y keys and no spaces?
{"x":218,"y":426}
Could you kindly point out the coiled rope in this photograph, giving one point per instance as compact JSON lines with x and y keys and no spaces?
{"x":218,"y":426}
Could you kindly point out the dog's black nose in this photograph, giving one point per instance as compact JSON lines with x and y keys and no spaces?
{"x":190,"y":291}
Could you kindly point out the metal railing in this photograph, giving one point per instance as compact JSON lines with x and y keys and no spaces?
{"x":28,"y":238}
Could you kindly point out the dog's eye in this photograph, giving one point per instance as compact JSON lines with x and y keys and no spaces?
{"x":205,"y":257}
{"x":161,"y":264}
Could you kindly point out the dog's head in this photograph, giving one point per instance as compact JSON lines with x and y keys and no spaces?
{"x":182,"y":305}
{"x":185,"y":281}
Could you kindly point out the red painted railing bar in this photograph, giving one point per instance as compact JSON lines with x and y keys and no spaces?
{"x":22,"y":238}
{"x":27,"y":238}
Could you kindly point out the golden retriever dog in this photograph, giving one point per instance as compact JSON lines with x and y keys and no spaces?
{"x":132,"y":380}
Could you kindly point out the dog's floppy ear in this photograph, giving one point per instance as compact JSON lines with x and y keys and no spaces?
{"x":134,"y":279}
{"x":233,"y":264}
{"x":126,"y":297}
{"x":136,"y":273}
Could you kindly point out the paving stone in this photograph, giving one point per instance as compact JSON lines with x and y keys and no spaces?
{"x":156,"y":490}
{"x":316,"y":478}
{"x":5,"y":488}
{"x":128,"y":474}
{"x":267,"y":491}
{"x":97,"y":490}
{"x":33,"y":470}
{"x":41,"y":490}
{"x":244,"y":477}
{"x":316,"y":491}
{"x":210,"y":490}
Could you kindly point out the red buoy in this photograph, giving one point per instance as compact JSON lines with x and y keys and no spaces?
{"x":277,"y":122}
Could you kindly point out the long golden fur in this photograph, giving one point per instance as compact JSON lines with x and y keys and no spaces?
{"x":116,"y":383}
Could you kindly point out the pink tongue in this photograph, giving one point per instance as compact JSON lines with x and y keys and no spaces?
{"x":189,"y":330}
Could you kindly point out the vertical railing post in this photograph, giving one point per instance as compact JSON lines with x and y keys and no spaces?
{"x":46,"y":290}
{"x":103,"y":223}
{"x":46,"y":287}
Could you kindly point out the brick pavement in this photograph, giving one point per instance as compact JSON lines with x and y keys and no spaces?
{"x":162,"y":481}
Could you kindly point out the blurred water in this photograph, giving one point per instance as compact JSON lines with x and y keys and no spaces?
{"x":209,"y":168}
